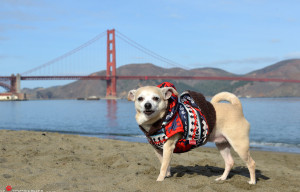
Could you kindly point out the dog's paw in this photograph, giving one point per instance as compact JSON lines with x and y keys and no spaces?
{"x":220,"y":178}
{"x":252,"y":182}
{"x":160,"y":178}
{"x":168,"y":174}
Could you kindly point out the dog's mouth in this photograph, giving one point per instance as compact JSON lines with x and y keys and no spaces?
{"x":148,"y":112}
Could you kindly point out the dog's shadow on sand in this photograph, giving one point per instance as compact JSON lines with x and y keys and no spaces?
{"x":209,"y":171}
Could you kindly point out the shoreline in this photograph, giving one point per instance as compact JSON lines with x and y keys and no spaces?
{"x":124,"y":98}
{"x":48,"y":161}
{"x":142,"y":139}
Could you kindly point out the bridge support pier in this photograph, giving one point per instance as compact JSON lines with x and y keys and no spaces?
{"x":15,"y":83}
{"x":111,"y":80}
{"x":15,"y":88}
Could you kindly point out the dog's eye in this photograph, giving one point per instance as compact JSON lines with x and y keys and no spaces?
{"x":140,"y":99}
{"x":155,"y":98}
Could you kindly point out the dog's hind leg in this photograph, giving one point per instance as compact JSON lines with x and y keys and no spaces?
{"x":159,"y":154}
{"x":242,"y":149}
{"x":224,"y":149}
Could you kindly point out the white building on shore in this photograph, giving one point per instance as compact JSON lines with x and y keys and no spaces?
{"x":11,"y":96}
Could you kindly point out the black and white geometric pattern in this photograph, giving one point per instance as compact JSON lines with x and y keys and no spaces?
{"x":194,"y":123}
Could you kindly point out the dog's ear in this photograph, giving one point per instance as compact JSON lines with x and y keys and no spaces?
{"x":131,"y":95}
{"x":167,"y":92}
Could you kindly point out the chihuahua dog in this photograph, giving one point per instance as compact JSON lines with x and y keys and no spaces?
{"x":229,"y":129}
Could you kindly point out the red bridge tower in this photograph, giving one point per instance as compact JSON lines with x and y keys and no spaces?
{"x":111,"y":80}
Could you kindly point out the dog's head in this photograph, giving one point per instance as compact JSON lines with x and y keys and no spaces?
{"x":150,"y":103}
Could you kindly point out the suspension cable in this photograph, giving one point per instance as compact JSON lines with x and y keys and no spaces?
{"x":147,"y":51}
{"x":66,"y":54}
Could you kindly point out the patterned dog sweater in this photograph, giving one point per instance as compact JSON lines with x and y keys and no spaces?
{"x":190,"y":114}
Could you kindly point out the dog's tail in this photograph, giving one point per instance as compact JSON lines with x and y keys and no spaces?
{"x":226,"y":96}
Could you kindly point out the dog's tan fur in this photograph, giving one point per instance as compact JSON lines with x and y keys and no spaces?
{"x":231,"y":129}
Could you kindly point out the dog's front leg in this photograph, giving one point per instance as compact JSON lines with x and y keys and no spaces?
{"x":159,"y":154}
{"x":168,"y":149}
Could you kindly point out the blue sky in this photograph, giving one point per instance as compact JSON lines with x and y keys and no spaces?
{"x":235,"y":35}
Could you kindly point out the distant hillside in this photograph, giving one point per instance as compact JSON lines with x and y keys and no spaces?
{"x":286,"y":69}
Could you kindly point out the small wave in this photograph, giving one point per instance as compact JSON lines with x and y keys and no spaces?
{"x":97,"y":133}
{"x":140,"y":136}
{"x":270,"y":144}
{"x":279,"y":147}
{"x":86,"y":133}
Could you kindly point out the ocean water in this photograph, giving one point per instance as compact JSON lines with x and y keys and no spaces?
{"x":275,"y":122}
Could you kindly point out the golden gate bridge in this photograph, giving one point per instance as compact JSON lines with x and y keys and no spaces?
{"x":12,"y":83}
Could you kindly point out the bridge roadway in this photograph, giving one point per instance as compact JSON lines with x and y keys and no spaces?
{"x":236,"y":78}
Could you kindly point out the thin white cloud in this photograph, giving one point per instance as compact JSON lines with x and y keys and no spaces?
{"x":28,"y":3}
{"x":138,"y":58}
{"x":254,"y":60}
{"x":16,"y":27}
{"x":292,"y":20}
{"x":175,"y":16}
{"x":292,"y":55}
{"x":2,"y":56}
{"x":23,"y":10}
{"x":275,"y":40}
{"x":17,"y":15}
{"x":4,"y":38}
{"x":239,"y":63}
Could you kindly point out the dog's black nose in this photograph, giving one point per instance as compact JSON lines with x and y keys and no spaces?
{"x":148,"y":106}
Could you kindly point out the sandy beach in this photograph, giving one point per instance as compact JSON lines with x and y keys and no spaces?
{"x":42,"y":161}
